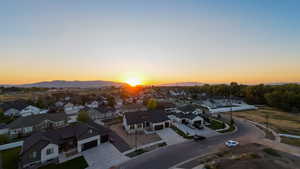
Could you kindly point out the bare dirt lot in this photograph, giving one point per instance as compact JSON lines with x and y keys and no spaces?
{"x":280,"y":121}
{"x":132,"y":139}
{"x":251,"y":156}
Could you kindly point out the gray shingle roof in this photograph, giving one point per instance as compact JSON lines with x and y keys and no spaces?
{"x":153,"y":116}
{"x":58,"y":136}
{"x":36,"y":119}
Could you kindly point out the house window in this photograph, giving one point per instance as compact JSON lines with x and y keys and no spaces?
{"x":139,"y":126}
{"x":50,"y":151}
{"x":33,"y":155}
{"x":131,"y":126}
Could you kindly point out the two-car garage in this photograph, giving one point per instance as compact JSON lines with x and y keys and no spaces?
{"x":91,"y":142}
{"x":89,"y":145}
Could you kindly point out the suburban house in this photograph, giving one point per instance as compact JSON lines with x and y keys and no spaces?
{"x":186,"y":118}
{"x":13,"y":108}
{"x":93,"y":104}
{"x":132,"y":108}
{"x":150,"y":120}
{"x":59,"y":104}
{"x":102,"y":112}
{"x":72,"y":112}
{"x":43,"y":148}
{"x":187,"y":109}
{"x":3,"y":129}
{"x":24,"y":126}
{"x":12,"y":112}
{"x":32,"y":110}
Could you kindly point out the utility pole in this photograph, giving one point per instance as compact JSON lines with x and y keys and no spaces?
{"x":230,"y":103}
{"x":267,"y":121}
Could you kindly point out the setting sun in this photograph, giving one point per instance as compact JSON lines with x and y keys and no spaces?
{"x":133,"y":82}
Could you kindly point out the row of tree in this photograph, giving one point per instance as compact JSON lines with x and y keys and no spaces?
{"x":286,"y":96}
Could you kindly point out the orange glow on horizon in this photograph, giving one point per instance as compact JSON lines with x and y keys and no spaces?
{"x":133,"y":81}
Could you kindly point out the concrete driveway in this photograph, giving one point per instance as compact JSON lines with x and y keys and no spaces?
{"x":170,"y":136}
{"x":202,"y":132}
{"x":103,"y":157}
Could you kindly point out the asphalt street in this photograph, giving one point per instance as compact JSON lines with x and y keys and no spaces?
{"x":169,"y":156}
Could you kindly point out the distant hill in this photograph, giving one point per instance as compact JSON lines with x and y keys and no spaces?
{"x":71,"y":84}
{"x":282,"y":83}
{"x":183,"y":84}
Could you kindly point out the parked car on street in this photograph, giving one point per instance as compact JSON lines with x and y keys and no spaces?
{"x":231,"y":143}
{"x":198,"y":138}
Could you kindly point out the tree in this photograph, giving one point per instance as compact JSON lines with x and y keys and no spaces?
{"x":152,"y":104}
{"x":83,"y":116}
{"x":111,"y":101}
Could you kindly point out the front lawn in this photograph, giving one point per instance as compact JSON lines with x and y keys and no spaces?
{"x":77,"y":163}
{"x":216,"y":124}
{"x":231,"y":128}
{"x":290,"y":141}
{"x":181,"y":133}
{"x":136,"y":153}
{"x":10,"y":158}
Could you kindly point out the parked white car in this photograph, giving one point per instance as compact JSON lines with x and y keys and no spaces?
{"x":231,"y":143}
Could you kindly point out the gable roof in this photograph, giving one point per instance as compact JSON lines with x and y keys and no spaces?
{"x":32,"y":120}
{"x":188,"y":108}
{"x":190,"y":116}
{"x":17,"y":104}
{"x":153,"y":116}
{"x":58,"y":136}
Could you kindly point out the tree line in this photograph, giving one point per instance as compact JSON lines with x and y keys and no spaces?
{"x":285,"y":96}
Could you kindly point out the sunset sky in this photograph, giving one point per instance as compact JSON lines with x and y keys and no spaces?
{"x":156,"y":41}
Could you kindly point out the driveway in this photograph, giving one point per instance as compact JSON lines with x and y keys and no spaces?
{"x":170,"y":136}
{"x":132,"y":140}
{"x":103,"y":156}
{"x":202,"y":132}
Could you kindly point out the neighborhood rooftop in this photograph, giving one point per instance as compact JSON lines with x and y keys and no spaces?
{"x":153,"y":116}
{"x":35,"y":119}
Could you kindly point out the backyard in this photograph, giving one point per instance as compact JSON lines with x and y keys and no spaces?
{"x":10,"y":158}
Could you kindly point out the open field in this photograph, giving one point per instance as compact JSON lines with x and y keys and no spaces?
{"x":254,"y":156}
{"x":281,"y":122}
{"x":290,"y":141}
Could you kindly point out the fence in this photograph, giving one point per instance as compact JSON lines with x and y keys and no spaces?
{"x":11,"y":145}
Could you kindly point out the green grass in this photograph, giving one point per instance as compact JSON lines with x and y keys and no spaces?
{"x":77,"y":163}
{"x":162,"y":144}
{"x":181,"y":133}
{"x":231,"y":128}
{"x":136,"y":153}
{"x":272,"y":152}
{"x":10,"y":158}
{"x":215,"y":124}
{"x":291,"y":141}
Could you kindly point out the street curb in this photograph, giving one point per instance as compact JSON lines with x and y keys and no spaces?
{"x":191,"y":159}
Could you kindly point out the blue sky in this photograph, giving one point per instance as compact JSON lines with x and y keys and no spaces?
{"x":157,"y":41}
